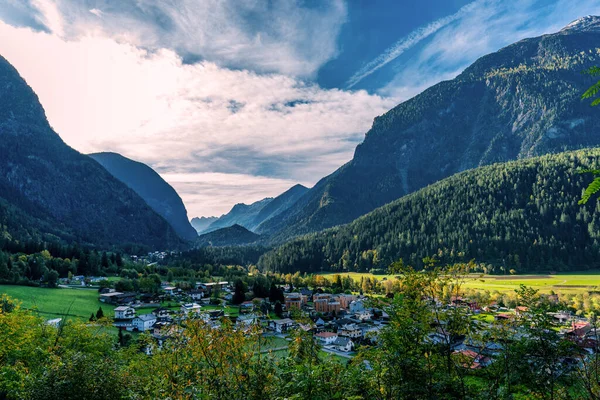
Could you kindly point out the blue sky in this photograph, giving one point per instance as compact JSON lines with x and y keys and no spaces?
{"x":232,"y":101}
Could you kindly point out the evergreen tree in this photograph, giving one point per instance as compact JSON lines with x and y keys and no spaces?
{"x":99,"y":313}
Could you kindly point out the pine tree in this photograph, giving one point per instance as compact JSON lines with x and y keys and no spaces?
{"x":99,"y":313}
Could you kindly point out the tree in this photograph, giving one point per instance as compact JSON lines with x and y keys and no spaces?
{"x":278,"y":309}
{"x":592,"y":92}
{"x":92,"y":318}
{"x":104,"y":261}
{"x":239,"y":295}
{"x":99,"y":313}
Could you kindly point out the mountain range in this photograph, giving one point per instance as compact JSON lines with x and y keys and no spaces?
{"x":200,"y":224}
{"x":235,"y":235}
{"x":253,"y":215}
{"x":48,"y":191}
{"x":521,"y":101}
{"x":522,"y":215}
{"x":149,"y":185}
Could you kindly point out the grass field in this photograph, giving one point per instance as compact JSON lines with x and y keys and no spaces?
{"x":55,"y":303}
{"x":568,"y":282}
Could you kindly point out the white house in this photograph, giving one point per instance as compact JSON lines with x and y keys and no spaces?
{"x":191,"y":308}
{"x":326,"y":337}
{"x":144,"y":322}
{"x":351,"y":331}
{"x":343,"y":344}
{"x":124,"y":312}
{"x":281,"y":325}
{"x":170,"y":290}
{"x":357,"y":306}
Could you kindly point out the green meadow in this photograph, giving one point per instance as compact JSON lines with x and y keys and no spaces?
{"x":568,"y":282}
{"x":56,"y":303}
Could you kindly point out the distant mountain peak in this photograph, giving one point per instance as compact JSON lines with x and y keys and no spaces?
{"x":584,"y":24}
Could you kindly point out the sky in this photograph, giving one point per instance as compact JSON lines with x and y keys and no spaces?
{"x":231,"y":101}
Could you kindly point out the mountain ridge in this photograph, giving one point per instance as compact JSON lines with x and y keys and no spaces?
{"x":518,"y":102}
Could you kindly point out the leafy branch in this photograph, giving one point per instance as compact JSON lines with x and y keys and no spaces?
{"x":592,"y":92}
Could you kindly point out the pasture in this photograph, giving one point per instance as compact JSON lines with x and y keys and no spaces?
{"x":58,"y":303}
{"x":571,"y":282}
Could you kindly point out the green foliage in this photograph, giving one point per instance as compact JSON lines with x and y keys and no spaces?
{"x":594,"y":89}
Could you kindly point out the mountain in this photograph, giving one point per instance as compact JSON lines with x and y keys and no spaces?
{"x":159,"y":195}
{"x":241,"y":214}
{"x":202,"y":223}
{"x":253,"y":215}
{"x":48,"y":191}
{"x":520,"y":215}
{"x":519,"y":102}
{"x":235,"y":235}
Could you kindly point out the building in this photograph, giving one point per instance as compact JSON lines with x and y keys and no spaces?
{"x":144,"y":322}
{"x":124,"y":312}
{"x":345,"y":300}
{"x":326,"y":337}
{"x":356,"y":306}
{"x":171,"y":290}
{"x":191,"y":308}
{"x":117,"y":298}
{"x":295,"y":300}
{"x":161,"y":313}
{"x":196,"y":294}
{"x":281,"y":325}
{"x":343,"y":344}
{"x":327,"y":305}
{"x":351,"y":331}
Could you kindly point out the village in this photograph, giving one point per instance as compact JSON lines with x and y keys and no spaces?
{"x":340,"y":323}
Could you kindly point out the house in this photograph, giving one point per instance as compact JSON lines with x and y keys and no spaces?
{"x":579,"y":329}
{"x":161,"y":313}
{"x":246,"y":306}
{"x":561,"y":317}
{"x":281,"y":325}
{"x":117,"y":298}
{"x":343,"y":344}
{"x":520,"y":310}
{"x":144,"y":322}
{"x":124,"y":312}
{"x":351,"y":331}
{"x":503,"y":317}
{"x":245,"y":321}
{"x":326,"y":337}
{"x":356,"y":306}
{"x":171,"y":290}
{"x":196,"y":294}
{"x":471,"y":359}
{"x":55,"y":323}
{"x":191,"y":308}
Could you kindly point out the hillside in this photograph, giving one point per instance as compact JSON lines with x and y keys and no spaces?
{"x":49,"y":191}
{"x":157,"y":193}
{"x":519,"y":102}
{"x":521,"y":214}
{"x":235,"y":235}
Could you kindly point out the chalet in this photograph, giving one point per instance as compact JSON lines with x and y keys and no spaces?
{"x":171,"y":290}
{"x":343,"y":344}
{"x":561,"y":317}
{"x":246,"y":306}
{"x":579,"y":329}
{"x":144,"y":322}
{"x":196,"y":294}
{"x":356,"y":306}
{"x":351,"y":331}
{"x":326,"y":337}
{"x":117,"y":298}
{"x":281,"y":325}
{"x":191,"y":308}
{"x":161,"y":313}
{"x":124,"y":312}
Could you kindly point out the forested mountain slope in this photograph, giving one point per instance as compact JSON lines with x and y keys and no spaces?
{"x":521,"y":214}
{"x":157,"y":193}
{"x":519,"y":102}
{"x":50,"y":191}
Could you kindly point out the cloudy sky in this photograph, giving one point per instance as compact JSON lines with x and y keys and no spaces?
{"x":235,"y":100}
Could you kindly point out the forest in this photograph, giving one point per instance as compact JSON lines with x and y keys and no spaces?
{"x":522,"y":215}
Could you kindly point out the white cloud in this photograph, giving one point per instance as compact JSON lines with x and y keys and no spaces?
{"x":487,"y":26}
{"x":406,"y":43}
{"x":191,"y":120}
{"x":261,"y":35}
